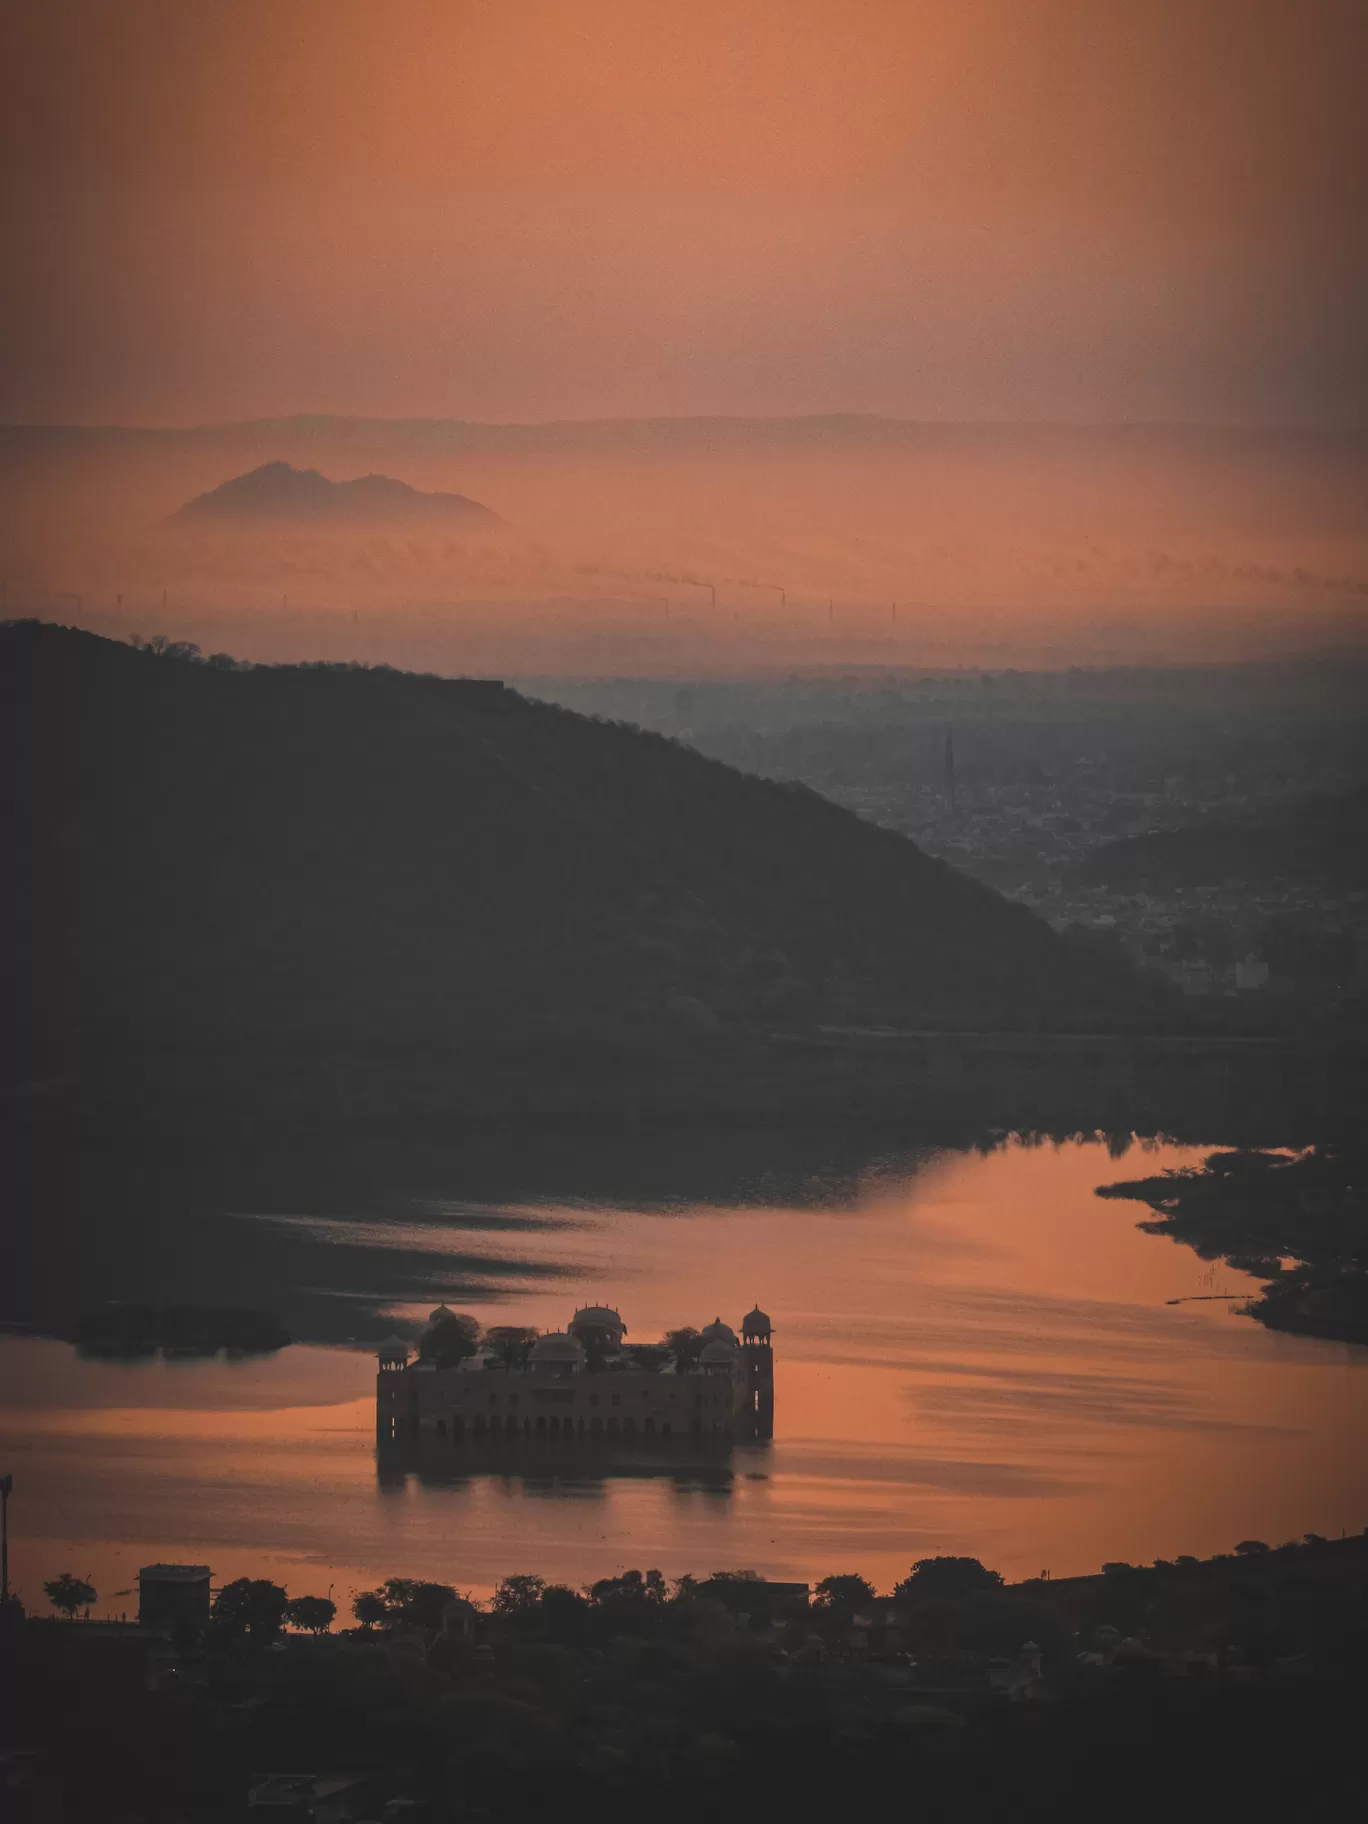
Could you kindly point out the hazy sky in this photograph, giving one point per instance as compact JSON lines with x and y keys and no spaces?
{"x":517,"y":209}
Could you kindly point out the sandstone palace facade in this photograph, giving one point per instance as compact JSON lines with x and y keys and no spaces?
{"x":581,"y":1384}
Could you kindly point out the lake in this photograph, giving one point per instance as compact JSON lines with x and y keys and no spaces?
{"x":974,"y":1353}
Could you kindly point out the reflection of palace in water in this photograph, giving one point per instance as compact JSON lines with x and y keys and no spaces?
{"x":582,"y":1386}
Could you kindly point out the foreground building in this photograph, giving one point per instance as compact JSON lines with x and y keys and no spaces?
{"x":174,"y":1595}
{"x":581,"y":1384}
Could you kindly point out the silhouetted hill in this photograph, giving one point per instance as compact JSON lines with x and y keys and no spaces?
{"x":1319,"y":839}
{"x":276,"y":491}
{"x":329,"y":860}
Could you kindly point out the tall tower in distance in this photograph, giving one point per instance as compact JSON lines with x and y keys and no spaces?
{"x":951,"y":801}
{"x":758,"y":1357}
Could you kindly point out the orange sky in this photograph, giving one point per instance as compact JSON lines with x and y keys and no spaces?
{"x":528,"y":209}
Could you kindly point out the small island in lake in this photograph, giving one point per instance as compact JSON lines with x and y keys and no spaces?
{"x":126,"y":1329}
{"x":1299,"y":1222}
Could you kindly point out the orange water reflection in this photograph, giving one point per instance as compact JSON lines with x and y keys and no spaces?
{"x":976,"y":1358}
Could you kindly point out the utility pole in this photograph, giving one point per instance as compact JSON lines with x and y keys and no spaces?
{"x":698,"y":583}
{"x":950,"y":772}
{"x":746,"y":583}
{"x":6,"y":1484}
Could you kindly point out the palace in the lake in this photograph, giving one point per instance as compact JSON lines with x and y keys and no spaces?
{"x":583,"y":1383}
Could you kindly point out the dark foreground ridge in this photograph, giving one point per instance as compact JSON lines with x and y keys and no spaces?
{"x":1226,"y":1687}
{"x":325,"y":863}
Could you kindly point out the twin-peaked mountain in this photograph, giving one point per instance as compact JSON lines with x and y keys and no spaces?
{"x":278,"y":493}
{"x":327,"y":862}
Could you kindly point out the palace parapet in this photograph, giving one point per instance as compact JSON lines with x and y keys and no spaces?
{"x":581,"y":1384}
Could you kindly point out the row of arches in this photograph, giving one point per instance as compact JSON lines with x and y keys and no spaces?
{"x":550,"y":1426}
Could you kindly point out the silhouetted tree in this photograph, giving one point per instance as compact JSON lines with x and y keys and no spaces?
{"x":947,"y":1577}
{"x":844,"y":1591}
{"x":250,"y":1609}
{"x":68,"y":1593}
{"x":685,"y":1344}
{"x":630,"y":1587}
{"x":519,"y":1595}
{"x":412,"y":1600}
{"x":454,"y":1339}
{"x":370,"y":1608}
{"x":1250,"y":1548}
{"x":311,"y":1614}
{"x":650,"y":1356}
{"x":511,"y":1342}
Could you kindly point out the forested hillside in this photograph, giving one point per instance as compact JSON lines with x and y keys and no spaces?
{"x":214,"y":857}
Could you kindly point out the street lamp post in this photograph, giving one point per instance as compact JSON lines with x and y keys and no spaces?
{"x":6,"y":1484}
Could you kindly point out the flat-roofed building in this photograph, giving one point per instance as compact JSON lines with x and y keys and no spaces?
{"x":170,"y":1594}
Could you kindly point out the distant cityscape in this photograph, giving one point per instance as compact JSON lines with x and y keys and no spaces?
{"x":1030,"y":839}
{"x":1041,"y":784}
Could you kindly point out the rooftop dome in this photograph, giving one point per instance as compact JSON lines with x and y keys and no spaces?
{"x":719,"y":1352}
{"x":441,"y":1314}
{"x":393,"y":1345}
{"x":557,"y":1346}
{"x":717,"y":1331}
{"x":756,"y":1323}
{"x":599,"y":1317}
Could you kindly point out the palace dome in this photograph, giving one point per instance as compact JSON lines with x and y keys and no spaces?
{"x":441,"y":1314}
{"x":756,"y":1323}
{"x":717,"y":1331}
{"x":557,"y":1346}
{"x":598,"y":1317}
{"x":719,"y":1352}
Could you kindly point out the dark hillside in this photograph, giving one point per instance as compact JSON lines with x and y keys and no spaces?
{"x":1319,"y":840}
{"x":220,"y":859}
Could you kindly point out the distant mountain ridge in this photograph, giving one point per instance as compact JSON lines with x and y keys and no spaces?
{"x":279,"y":491}
{"x":720,"y":431}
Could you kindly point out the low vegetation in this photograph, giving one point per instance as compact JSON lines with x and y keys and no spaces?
{"x":1298,"y":1222}
{"x":636,"y":1691}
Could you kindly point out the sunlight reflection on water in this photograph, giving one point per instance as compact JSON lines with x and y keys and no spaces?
{"x":973,"y":1353}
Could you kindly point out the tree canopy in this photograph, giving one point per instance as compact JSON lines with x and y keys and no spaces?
{"x":407,"y":1599}
{"x":310,"y":1614}
{"x":68,"y":1594}
{"x":370,"y":1607}
{"x":250,"y":1609}
{"x":947,"y":1577}
{"x":685,"y":1343}
{"x":452,"y":1339}
{"x":511,"y":1342}
{"x":844,"y":1591}
{"x":518,"y":1595}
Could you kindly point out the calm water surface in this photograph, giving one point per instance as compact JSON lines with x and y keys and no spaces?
{"x":973,"y":1354}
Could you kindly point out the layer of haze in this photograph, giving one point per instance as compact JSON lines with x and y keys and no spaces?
{"x":585,"y":208}
{"x":710,"y":546}
{"x":999,"y":212}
